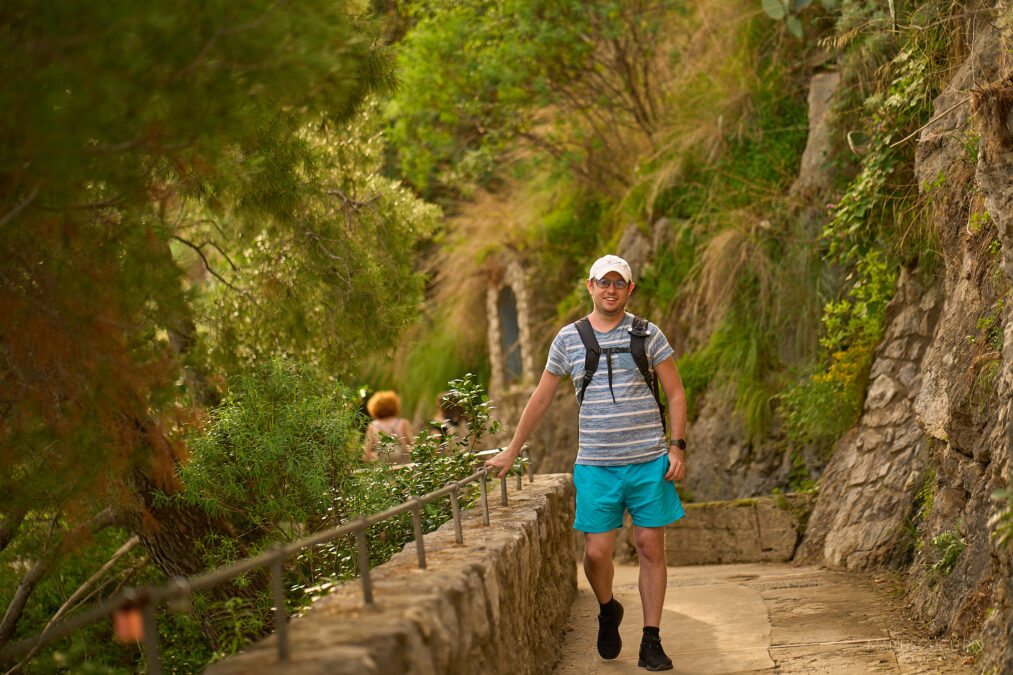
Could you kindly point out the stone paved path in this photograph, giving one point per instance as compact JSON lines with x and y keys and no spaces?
{"x":762,"y":618}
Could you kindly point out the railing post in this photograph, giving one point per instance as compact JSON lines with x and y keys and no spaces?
{"x":180,"y":602}
{"x":278,"y":591}
{"x":360,"y":545}
{"x":483,"y":488}
{"x":531,"y":466}
{"x":420,"y":545}
{"x":503,"y":491}
{"x":455,"y":507}
{"x":152,"y":652}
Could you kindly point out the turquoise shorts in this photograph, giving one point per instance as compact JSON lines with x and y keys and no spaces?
{"x":605,"y":492}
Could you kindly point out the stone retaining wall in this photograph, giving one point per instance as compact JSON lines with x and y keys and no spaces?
{"x":762,"y":529}
{"x":496,"y":604}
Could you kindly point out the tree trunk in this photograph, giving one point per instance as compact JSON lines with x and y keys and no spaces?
{"x":38,"y":570}
{"x":17,"y":603}
{"x":169,"y":534}
{"x":10,"y":525}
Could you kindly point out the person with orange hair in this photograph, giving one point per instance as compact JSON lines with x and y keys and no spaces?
{"x":385,"y":409}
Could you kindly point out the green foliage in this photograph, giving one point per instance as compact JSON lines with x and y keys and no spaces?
{"x":476,"y":76}
{"x":278,"y":444}
{"x":183,"y":189}
{"x":1001,"y":523}
{"x":664,"y":280}
{"x":949,"y":545}
{"x":741,"y":360}
{"x":822,"y":406}
{"x":696,"y":369}
{"x":292,"y":433}
{"x":788,"y":10}
{"x":877,"y":221}
{"x":91,"y":647}
{"x":921,"y":507}
{"x":342,"y":283}
{"x":438,"y":355}
{"x":437,"y":460}
{"x":733,"y":252}
{"x":862,"y":211}
{"x":799,"y":478}
{"x":987,"y":351}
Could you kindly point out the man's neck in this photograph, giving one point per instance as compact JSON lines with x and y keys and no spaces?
{"x":603,"y":323}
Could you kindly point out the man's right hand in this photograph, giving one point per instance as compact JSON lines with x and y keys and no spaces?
{"x":503,"y":461}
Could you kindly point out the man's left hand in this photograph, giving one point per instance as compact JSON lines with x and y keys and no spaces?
{"x":676,"y":464}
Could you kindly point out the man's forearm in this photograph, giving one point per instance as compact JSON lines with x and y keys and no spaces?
{"x":677,"y":417}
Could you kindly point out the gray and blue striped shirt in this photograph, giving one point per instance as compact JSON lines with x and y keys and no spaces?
{"x":628,"y":430}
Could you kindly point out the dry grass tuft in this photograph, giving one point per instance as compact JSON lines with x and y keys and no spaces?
{"x":993,"y":106}
{"x":707,"y":91}
{"x":726,"y":259}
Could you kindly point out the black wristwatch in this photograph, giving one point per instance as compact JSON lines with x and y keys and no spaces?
{"x":679,"y":443}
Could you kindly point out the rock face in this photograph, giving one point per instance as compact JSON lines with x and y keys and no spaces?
{"x":811,"y":173}
{"x":869,"y":486}
{"x":723,"y":463}
{"x":496,"y":604}
{"x":939,"y":402}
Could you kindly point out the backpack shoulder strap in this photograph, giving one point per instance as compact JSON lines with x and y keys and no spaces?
{"x":592,"y":352}
{"x":639,"y":332}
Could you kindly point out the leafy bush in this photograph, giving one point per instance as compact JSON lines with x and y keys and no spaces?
{"x":275,"y":448}
{"x":282,"y":458}
{"x":1002,"y":522}
{"x":949,"y":545}
{"x":821,"y":407}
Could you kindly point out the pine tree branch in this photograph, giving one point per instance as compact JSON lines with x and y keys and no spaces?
{"x":20,"y":207}
{"x":82,"y":589}
{"x":207,"y":265}
{"x":40,"y":568}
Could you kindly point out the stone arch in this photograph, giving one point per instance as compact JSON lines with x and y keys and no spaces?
{"x":510,"y":348}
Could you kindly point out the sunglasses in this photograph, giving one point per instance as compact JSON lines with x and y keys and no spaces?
{"x":618,"y":284}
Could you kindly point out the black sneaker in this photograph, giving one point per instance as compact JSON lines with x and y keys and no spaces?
{"x":609,"y":642}
{"x":652,"y":656}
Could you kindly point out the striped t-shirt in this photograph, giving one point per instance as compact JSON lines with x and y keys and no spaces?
{"x":627,"y":431}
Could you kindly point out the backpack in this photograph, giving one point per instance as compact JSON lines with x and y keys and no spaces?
{"x":638,"y":336}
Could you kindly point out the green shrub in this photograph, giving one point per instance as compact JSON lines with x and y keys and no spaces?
{"x":280,"y":442}
{"x":822,"y":406}
{"x":281,"y":459}
{"x":1002,"y":522}
{"x":949,"y":545}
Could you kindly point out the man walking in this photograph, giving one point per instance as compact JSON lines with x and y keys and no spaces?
{"x":623,"y":462}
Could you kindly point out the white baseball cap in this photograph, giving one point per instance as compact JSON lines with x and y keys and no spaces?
{"x":610,"y":263}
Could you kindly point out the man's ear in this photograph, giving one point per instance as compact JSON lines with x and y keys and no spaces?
{"x":588,"y":285}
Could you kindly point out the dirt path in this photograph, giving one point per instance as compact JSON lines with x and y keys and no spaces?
{"x":755,"y":618}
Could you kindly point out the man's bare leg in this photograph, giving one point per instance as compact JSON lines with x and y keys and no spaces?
{"x":598,"y":565}
{"x":650,"y":543}
{"x":600,"y":572}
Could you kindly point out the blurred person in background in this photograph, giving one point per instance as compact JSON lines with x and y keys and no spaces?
{"x":385,"y":409}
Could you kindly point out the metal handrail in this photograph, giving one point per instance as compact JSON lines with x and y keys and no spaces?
{"x":177,"y":594}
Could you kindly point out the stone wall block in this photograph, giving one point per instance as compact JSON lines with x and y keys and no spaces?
{"x":882,"y":391}
{"x":883,"y":365}
{"x":762,"y":529}
{"x":896,"y":349}
{"x":813,"y":176}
